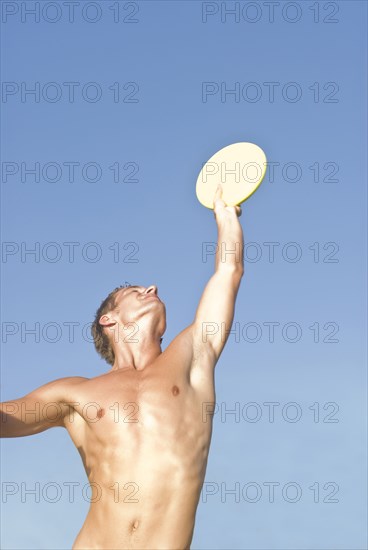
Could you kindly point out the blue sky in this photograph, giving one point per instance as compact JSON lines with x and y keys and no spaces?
{"x":156,"y":121}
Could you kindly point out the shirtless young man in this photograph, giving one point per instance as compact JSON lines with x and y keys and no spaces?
{"x":143,"y":428}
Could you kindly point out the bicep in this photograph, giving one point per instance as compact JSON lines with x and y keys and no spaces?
{"x":215,"y":313}
{"x":37,"y":411}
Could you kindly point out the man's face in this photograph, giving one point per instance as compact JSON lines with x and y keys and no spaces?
{"x":135,"y":303}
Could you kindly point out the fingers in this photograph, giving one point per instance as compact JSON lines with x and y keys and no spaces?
{"x":218,"y":194}
{"x":218,"y":202}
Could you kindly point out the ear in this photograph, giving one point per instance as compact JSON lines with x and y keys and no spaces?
{"x":106,"y":321}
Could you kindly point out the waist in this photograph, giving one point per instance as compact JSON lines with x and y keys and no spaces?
{"x":141,"y":519}
{"x":149,"y":490}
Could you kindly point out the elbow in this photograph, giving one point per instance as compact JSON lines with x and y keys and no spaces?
{"x":236,"y":269}
{"x":239,"y":272}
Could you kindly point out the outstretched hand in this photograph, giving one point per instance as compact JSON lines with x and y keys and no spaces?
{"x":221,"y":210}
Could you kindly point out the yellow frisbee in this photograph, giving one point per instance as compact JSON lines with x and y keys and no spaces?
{"x":239,"y":167}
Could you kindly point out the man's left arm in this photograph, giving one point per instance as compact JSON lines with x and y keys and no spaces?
{"x":215,"y":312}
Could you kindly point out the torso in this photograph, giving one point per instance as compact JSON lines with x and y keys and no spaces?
{"x":144,"y":439}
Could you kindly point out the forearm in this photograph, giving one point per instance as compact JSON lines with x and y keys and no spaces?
{"x":19,"y":418}
{"x":230,"y":244}
{"x":46,"y":407}
{"x":11,"y":424}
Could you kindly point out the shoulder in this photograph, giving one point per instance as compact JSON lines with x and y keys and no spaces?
{"x":70,"y":380}
{"x":57,"y":389}
{"x":182,"y":345}
{"x":187,"y":351}
{"x":184,"y":338}
{"x":67,"y":381}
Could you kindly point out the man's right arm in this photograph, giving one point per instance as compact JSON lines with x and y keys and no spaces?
{"x":46,"y":407}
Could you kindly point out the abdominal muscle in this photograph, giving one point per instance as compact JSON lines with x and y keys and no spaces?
{"x":155,"y":513}
{"x":147,"y":470}
{"x":146,"y":496}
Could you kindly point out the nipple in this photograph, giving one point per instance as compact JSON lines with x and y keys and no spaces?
{"x":175,"y":390}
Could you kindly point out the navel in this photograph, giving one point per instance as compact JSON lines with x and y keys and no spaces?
{"x":175,"y":390}
{"x":135,"y":525}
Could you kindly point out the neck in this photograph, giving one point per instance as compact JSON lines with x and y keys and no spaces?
{"x":137,"y":352}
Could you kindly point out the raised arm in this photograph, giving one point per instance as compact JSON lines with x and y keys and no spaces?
{"x":46,"y":407}
{"x":215,"y":312}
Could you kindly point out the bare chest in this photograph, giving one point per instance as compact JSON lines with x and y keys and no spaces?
{"x":131,"y":402}
{"x":123,"y":421}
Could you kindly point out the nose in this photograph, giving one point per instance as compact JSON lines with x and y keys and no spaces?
{"x":151,"y":289}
